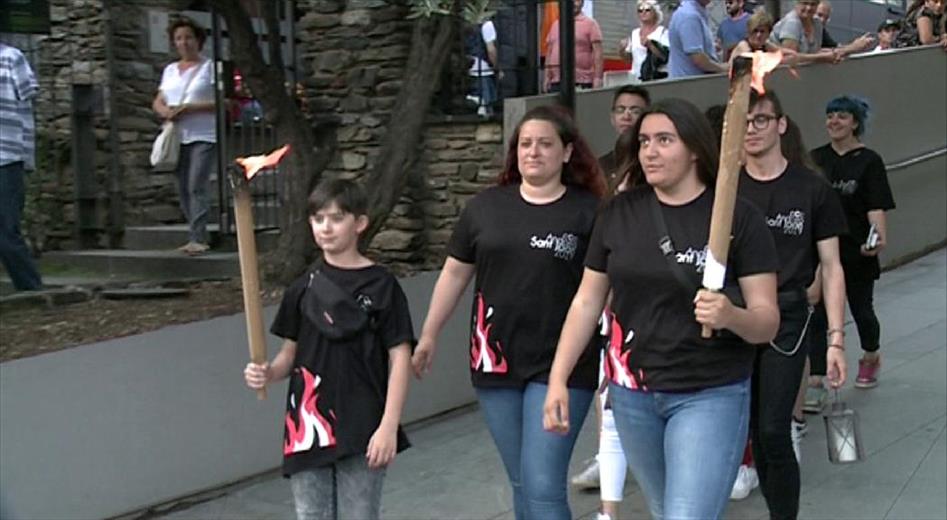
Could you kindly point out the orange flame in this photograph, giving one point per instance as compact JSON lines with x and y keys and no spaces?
{"x":763,"y":64}
{"x":253,"y":164}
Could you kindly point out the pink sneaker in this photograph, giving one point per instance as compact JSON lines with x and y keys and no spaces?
{"x":867,"y":373}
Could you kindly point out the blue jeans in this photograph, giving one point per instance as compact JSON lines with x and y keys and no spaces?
{"x":536,"y":461}
{"x":485,"y":87}
{"x":195,"y":164}
{"x":684,"y":448}
{"x":14,"y":253}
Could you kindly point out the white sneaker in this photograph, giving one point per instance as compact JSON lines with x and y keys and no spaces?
{"x":602,"y":516}
{"x":587,"y":478}
{"x":747,"y":480}
{"x":796,"y":432}
{"x":800,"y":427}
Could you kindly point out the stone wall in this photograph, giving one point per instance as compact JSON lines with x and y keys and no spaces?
{"x":457,"y":161}
{"x":351,"y":55}
{"x":74,"y":54}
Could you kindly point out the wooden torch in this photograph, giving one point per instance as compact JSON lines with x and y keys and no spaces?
{"x":240,"y":176}
{"x":746,"y":72}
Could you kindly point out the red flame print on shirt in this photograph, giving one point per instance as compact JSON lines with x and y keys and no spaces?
{"x":617,"y":368}
{"x":484,"y":356}
{"x":309,"y":425}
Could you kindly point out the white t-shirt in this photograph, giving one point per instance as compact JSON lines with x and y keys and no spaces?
{"x":482,"y":67}
{"x":640,"y":52}
{"x":195,"y":126}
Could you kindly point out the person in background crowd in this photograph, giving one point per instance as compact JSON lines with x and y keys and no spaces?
{"x":691,"y":43}
{"x":801,"y":32}
{"x":186,"y":96}
{"x":758,"y":29}
{"x":589,"y":57}
{"x":18,"y":88}
{"x":858,"y":175}
{"x":887,"y":34}
{"x":824,"y":12}
{"x":680,"y":401}
{"x":523,"y":242}
{"x":628,"y":103}
{"x":759,"y":26}
{"x":923,"y":24}
{"x":480,"y":44}
{"x":733,"y":29}
{"x":643,"y":39}
{"x":805,"y":218}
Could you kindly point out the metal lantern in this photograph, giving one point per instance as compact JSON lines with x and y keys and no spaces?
{"x":842,"y":434}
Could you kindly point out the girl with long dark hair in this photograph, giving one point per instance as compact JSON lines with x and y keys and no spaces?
{"x":681,"y":402}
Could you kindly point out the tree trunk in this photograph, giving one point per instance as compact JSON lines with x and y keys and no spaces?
{"x":312,"y":146}
{"x":430,"y":46}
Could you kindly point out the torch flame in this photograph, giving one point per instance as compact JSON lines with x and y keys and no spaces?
{"x":253,"y":164}
{"x":763,"y":64}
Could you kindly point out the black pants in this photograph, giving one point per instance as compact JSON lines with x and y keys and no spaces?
{"x":776,"y":378}
{"x":860,"y":291}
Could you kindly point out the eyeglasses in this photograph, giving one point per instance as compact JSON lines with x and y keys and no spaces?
{"x":634,"y":111}
{"x":644,"y":9}
{"x":761,"y":121}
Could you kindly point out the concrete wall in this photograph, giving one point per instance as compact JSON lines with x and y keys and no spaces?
{"x":103,"y":429}
{"x":905,"y":87}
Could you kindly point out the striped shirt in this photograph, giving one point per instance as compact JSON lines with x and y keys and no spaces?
{"x":18,"y":87}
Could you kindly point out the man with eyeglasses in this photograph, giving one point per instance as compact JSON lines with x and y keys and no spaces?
{"x":805,"y":217}
{"x":692,"y":45}
{"x":733,"y":29}
{"x":628,"y":103}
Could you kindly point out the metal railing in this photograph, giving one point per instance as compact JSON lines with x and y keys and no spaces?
{"x":916,"y":159}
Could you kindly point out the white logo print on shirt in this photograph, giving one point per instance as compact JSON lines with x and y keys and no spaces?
{"x":792,"y":223}
{"x":563,"y":246}
{"x":694,"y":257}
{"x":846,"y":187}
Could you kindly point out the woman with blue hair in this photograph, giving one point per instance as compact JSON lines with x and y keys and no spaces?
{"x":858,"y":175}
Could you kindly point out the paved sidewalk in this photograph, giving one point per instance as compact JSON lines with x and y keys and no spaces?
{"x":454,"y":471}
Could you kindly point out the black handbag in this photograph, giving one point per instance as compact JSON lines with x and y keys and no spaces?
{"x":332,"y":309}
{"x":651,"y":67}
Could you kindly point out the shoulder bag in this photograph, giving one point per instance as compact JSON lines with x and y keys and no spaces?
{"x":167,"y":146}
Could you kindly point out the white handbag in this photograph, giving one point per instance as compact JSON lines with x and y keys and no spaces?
{"x":167,"y":146}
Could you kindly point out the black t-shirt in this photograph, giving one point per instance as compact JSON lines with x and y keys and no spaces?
{"x":800,"y":210}
{"x":338,"y":388}
{"x":655,"y":341}
{"x":861,"y":181}
{"x":528,"y":260}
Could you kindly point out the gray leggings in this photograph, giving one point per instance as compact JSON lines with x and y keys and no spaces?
{"x":344,"y":490}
